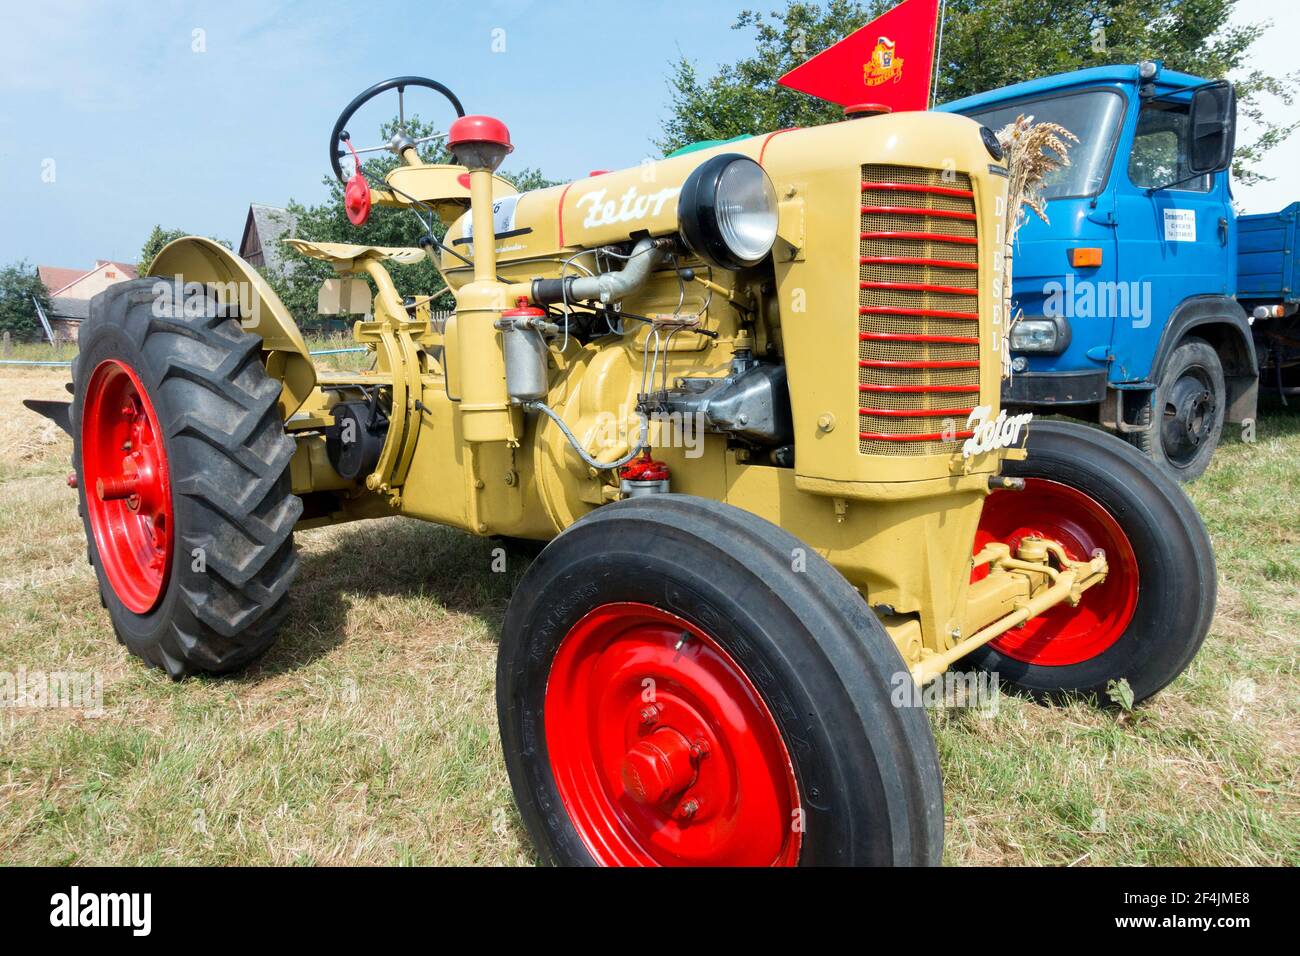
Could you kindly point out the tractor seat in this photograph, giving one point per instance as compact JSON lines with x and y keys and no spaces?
{"x":344,"y":254}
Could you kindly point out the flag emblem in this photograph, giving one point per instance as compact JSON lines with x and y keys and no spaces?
{"x":884,"y":65}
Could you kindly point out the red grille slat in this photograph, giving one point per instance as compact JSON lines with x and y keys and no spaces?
{"x":915,"y":412}
{"x":918,"y":211}
{"x":926,"y":363}
{"x":919,"y":236}
{"x":936,"y":313}
{"x":917,"y":337}
{"x":919,"y":188}
{"x":916,"y":261}
{"x":923,"y":236}
{"x":917,"y":287}
{"x":923,"y":436}
{"x":917,"y":389}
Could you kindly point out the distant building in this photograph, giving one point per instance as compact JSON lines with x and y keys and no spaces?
{"x":72,"y":289}
{"x":263,"y":229}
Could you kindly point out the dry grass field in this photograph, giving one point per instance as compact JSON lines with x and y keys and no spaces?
{"x":368,"y":734}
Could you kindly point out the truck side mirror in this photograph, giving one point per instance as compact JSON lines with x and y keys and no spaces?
{"x":1214,"y":128}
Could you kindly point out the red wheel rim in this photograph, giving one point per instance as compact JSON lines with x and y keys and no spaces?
{"x":662,"y":749}
{"x":1080,"y":524}
{"x":127,"y":486}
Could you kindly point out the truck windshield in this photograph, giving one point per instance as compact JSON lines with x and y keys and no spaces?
{"x":1091,"y":115}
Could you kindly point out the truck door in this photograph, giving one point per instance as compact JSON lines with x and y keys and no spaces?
{"x":1174,"y":234}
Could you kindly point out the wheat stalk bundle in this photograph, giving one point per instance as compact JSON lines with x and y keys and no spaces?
{"x":1033,"y":150}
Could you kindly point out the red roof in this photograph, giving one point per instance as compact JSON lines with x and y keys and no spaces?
{"x":57,"y":279}
{"x":125,"y":268}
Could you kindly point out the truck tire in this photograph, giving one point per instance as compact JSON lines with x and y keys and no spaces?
{"x":1087,"y":489}
{"x":1188,"y":407}
{"x":182,"y":467}
{"x":661,"y":657}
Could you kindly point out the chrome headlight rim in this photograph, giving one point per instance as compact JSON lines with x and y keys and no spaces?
{"x":1059,"y":325}
{"x":700,"y":214}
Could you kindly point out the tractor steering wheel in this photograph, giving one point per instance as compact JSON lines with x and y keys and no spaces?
{"x":400,"y":140}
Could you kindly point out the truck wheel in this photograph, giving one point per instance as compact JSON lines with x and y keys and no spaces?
{"x":183,"y":477}
{"x":1086,"y":489}
{"x":671,"y":692}
{"x":1188,"y":408}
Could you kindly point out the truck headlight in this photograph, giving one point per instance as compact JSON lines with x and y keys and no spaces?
{"x":1043,"y":335}
{"x":727,"y":212}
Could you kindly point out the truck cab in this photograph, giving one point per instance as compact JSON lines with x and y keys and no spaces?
{"x":1124,"y":300}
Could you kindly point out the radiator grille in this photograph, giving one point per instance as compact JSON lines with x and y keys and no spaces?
{"x":918,"y":311}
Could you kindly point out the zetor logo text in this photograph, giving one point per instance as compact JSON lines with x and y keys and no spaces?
{"x":989,"y":435}
{"x":76,"y":908}
{"x":629,"y":207}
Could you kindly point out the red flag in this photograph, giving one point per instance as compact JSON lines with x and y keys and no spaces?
{"x":888,"y":62}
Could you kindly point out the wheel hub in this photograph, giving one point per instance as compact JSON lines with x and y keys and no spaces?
{"x":662,"y":749}
{"x":659,"y":767}
{"x":1189,"y":415}
{"x":125,"y":473}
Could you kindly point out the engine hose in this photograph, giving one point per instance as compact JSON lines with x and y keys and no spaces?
{"x":641,"y":443}
{"x":607,"y":287}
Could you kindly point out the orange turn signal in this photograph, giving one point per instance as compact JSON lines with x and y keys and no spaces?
{"x":1085,"y":257}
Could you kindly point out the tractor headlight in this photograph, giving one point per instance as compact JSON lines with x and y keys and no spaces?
{"x":1043,"y":335}
{"x":727,"y":212}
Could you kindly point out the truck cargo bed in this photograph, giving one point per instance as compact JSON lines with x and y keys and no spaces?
{"x":1266,"y":256}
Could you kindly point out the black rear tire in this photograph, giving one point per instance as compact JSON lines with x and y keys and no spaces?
{"x":865,"y":764}
{"x":228,"y":454}
{"x":1186,"y":412}
{"x":1175,"y":565}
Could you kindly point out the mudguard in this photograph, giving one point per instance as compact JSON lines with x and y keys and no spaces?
{"x":232,"y":280}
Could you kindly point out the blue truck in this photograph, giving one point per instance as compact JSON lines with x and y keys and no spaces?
{"x":1146,"y":304}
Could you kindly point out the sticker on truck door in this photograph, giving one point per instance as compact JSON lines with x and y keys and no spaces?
{"x":1180,"y":225}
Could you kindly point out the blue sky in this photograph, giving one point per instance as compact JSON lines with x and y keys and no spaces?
{"x":113,"y":122}
{"x":141,"y":129}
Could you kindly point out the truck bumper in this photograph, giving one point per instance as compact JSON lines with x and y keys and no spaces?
{"x":1045,"y":389}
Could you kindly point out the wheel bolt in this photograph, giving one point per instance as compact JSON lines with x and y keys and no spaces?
{"x":650,"y":715}
{"x":115,"y":489}
{"x":688,"y":809}
{"x":700,"y":749}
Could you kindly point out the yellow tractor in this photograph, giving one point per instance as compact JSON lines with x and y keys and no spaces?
{"x":748,"y":394}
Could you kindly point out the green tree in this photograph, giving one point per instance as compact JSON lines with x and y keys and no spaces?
{"x":19,"y":284}
{"x":986,"y":44}
{"x":300,"y":282}
{"x":157,"y":239}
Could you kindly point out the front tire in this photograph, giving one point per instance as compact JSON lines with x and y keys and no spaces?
{"x":183,"y":474}
{"x":1087,"y":489}
{"x":671,"y":692}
